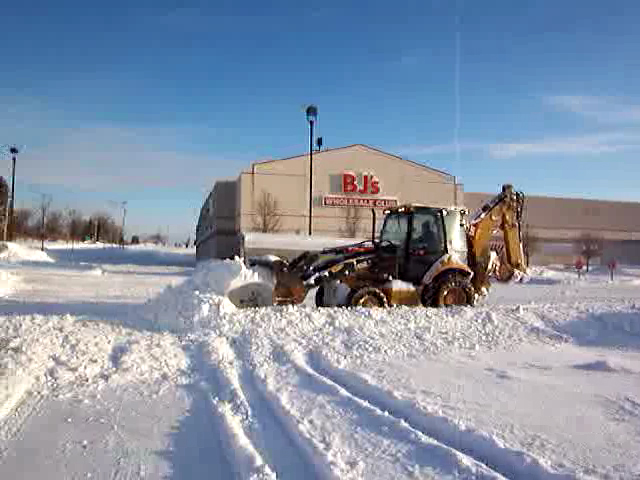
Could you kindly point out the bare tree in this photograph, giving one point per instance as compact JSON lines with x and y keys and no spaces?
{"x":22,"y":220}
{"x":43,"y":208}
{"x":55,"y":224}
{"x":267,"y":218}
{"x":589,"y":246}
{"x":352,"y":220}
{"x":75,"y":225}
{"x":104,"y":228}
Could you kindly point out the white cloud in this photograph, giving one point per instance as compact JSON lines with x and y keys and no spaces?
{"x":608,"y":142}
{"x":604,"y":109}
{"x":573,"y":145}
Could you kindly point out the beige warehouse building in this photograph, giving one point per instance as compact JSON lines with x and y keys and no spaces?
{"x":349,"y":182}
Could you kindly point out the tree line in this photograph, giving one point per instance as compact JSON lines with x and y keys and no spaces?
{"x":71,"y":225}
{"x":44,"y":223}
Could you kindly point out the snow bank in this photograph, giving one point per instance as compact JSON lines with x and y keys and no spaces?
{"x":197,"y":302}
{"x":598,"y":274}
{"x":7,"y":283}
{"x":614,"y":328}
{"x":15,"y":253}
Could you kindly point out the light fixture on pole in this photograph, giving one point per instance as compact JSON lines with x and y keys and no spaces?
{"x":312,"y":116}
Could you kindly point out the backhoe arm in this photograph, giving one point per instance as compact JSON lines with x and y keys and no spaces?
{"x":503,"y":212}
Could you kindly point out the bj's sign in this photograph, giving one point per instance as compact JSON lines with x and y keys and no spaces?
{"x":370,"y":184}
{"x":354,"y":187}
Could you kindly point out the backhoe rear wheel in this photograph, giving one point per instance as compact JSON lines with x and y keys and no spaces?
{"x":453,"y":289}
{"x":367,"y":297}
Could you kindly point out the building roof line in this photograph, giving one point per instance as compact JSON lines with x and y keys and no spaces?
{"x":398,"y":157}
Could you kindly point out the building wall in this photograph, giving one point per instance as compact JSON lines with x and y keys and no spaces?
{"x":555,"y":223}
{"x":558,"y":223}
{"x":217,"y":230}
{"x":288,"y":181}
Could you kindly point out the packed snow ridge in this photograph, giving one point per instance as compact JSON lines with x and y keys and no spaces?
{"x":201,"y":303}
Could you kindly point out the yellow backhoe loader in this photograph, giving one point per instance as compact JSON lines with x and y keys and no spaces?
{"x":424,"y":256}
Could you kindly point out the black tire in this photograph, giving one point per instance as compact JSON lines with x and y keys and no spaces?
{"x":452,"y":289}
{"x":369,"y":297}
{"x":320,"y":297}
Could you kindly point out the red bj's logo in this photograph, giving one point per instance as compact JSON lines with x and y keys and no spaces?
{"x":370,"y":184}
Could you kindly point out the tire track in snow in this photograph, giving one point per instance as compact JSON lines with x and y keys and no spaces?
{"x":281,"y":443}
{"x":215,"y":420}
{"x":28,"y":403}
{"x":257,"y":414}
{"x":474,"y":445}
{"x":449,"y":461}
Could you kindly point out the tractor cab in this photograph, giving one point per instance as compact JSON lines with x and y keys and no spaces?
{"x":415,"y":237}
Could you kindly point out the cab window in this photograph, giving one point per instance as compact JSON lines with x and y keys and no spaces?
{"x":395,"y":229}
{"x":427,"y":232}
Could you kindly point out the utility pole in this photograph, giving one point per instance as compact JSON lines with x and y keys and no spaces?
{"x":124,"y":216}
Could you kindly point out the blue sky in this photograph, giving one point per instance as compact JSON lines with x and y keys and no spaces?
{"x":151,"y":102}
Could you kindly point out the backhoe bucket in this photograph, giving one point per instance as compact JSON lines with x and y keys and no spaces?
{"x":255,"y":294}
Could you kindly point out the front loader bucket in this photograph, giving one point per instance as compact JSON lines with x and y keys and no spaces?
{"x":256,"y":294}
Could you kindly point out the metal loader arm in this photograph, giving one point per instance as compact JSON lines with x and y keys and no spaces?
{"x":504,"y":212}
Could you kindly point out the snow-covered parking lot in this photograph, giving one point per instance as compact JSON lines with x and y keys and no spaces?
{"x":132,"y":364}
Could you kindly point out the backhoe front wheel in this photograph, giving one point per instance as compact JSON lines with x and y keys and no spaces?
{"x":369,"y":297}
{"x":320,"y":302}
{"x":453,"y":289}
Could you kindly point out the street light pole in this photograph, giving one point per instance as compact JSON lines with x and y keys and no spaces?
{"x":312,"y":115}
{"x":8,"y":232}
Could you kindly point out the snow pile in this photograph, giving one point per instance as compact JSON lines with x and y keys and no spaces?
{"x":64,"y":355}
{"x":15,"y":253}
{"x":197,"y":302}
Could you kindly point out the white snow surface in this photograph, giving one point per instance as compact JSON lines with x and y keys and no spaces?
{"x":7,"y":282}
{"x":146,"y":370}
{"x":14,"y":252}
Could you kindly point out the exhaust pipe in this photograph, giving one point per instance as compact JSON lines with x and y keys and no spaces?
{"x":373,"y":225}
